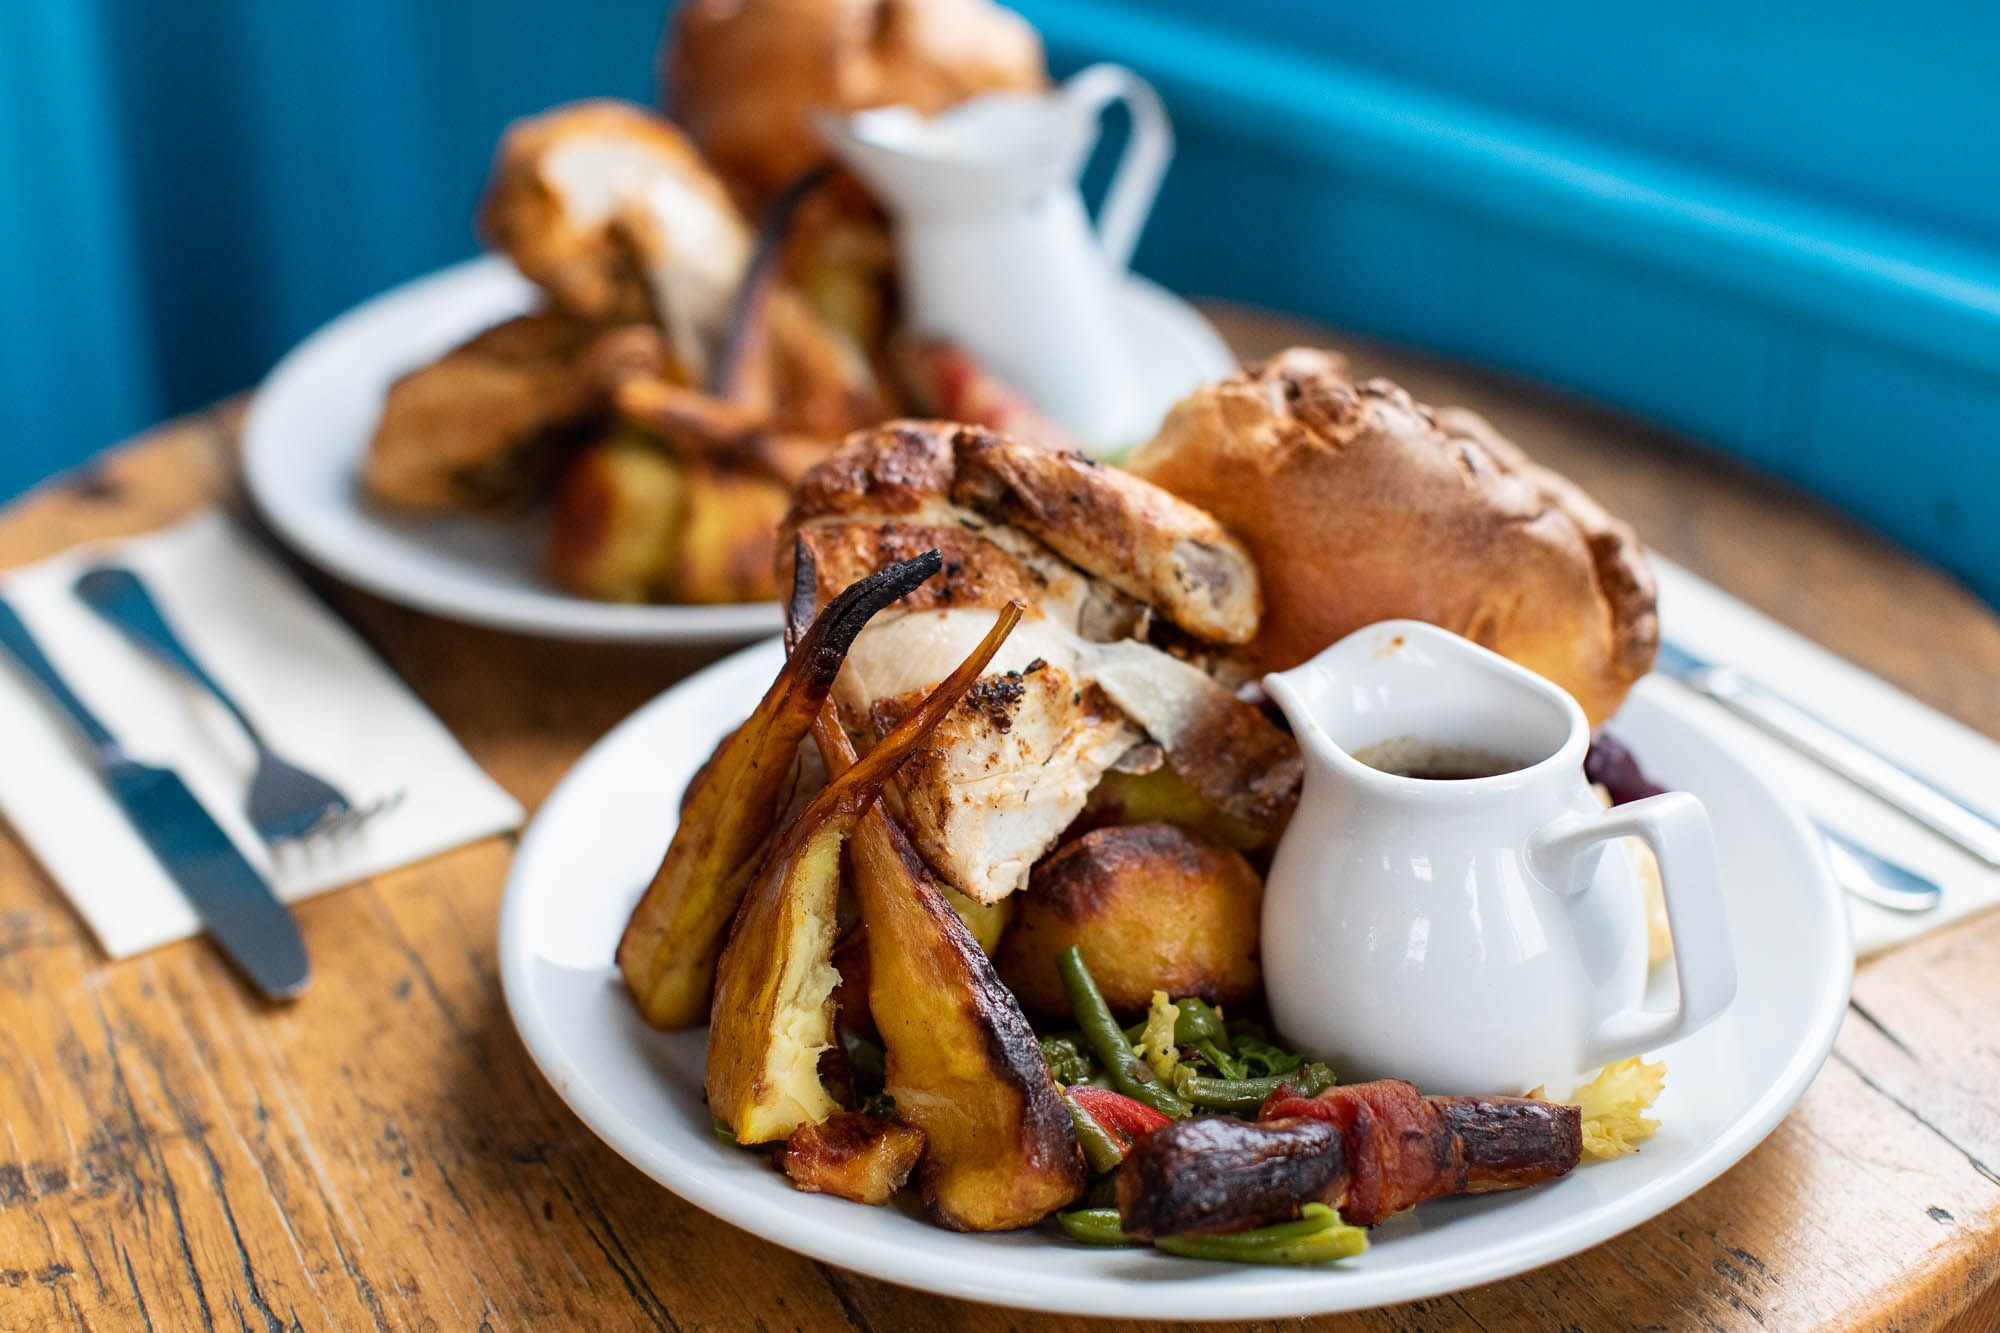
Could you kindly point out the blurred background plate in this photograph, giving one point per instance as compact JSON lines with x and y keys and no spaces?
{"x":309,"y":428}
{"x":596,"y":841}
{"x":310,"y":424}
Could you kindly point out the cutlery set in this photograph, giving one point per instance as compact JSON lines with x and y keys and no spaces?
{"x":292,"y":810}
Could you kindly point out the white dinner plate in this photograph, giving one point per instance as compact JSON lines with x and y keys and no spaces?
{"x":596,"y":840}
{"x":309,"y":427}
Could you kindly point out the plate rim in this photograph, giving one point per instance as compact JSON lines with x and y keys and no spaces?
{"x":1237,"y":1300}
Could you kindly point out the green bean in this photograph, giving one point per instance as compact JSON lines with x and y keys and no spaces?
{"x":1227,"y":1094}
{"x":1222,"y":1062}
{"x":1094,"y":1226}
{"x":1067,"y":1060}
{"x":1243,"y":1095}
{"x":1103,"y":1152}
{"x":1129,"y":1074}
{"x":1318,"y":1236}
{"x":1199,"y":1022}
{"x":1314,"y":1078}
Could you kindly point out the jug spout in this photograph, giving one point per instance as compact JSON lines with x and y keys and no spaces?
{"x":998,"y":255}
{"x":1406,"y":699}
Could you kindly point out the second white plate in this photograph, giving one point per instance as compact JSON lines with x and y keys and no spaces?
{"x":597,"y":839}
{"x":309,"y":427}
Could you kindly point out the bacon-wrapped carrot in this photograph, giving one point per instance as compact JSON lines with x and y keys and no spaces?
{"x":1368,"y":1149}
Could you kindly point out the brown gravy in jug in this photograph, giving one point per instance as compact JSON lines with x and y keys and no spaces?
{"x":1433,"y":761}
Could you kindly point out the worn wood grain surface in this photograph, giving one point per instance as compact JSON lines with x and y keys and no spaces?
{"x":381,"y":1153}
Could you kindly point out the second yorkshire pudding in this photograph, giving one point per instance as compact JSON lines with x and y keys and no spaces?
{"x":1361,"y":505}
{"x":742,"y":75}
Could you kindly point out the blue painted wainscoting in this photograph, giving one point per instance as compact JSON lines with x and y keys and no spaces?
{"x":1775,"y":227}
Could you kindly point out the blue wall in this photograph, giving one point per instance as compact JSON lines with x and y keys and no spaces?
{"x":1776,"y":227}
{"x":188,"y":187}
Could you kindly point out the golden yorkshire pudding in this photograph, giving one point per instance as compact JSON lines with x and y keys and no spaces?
{"x":742,"y":75}
{"x":612,"y":212}
{"x":1360,"y":504}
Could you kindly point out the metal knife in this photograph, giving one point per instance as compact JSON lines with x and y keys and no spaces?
{"x":1881,"y":777}
{"x":239,"y":909}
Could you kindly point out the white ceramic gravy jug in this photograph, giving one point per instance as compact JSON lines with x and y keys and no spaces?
{"x":1476,"y":934}
{"x":997,"y":252}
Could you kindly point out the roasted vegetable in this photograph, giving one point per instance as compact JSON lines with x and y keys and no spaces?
{"x":1151,"y":907}
{"x":1510,"y":1142}
{"x":668,"y":950}
{"x":1127,"y":1072}
{"x":773,"y":1009}
{"x":963,"y":1064}
{"x":1370,"y":1149}
{"x":986,"y":921}
{"x":1103,"y":1150}
{"x":860,"y":1157}
{"x":1243,"y":1096}
{"x":1318,"y":1236}
{"x":729,"y":541}
{"x":1161,"y":793}
{"x":1219,"y":1174}
{"x":1122,"y":1117}
{"x":616,"y":523}
{"x":1400,"y":1147}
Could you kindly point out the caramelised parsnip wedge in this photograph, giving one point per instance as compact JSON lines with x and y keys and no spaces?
{"x":963,"y":1065}
{"x":675,"y":934}
{"x":773,"y":1009}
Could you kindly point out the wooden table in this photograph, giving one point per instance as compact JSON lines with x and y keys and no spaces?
{"x":177,"y":1155}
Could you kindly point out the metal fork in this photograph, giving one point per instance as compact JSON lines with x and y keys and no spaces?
{"x":286,"y":804}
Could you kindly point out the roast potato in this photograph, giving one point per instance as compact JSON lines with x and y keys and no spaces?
{"x":1152,"y":907}
{"x":616,"y":526}
{"x":858,"y":1157}
{"x":1163,"y":794}
{"x":728,"y":546}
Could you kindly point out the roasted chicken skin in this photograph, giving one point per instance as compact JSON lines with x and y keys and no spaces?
{"x":609,"y":209}
{"x":488,"y":421}
{"x":1097,"y":557}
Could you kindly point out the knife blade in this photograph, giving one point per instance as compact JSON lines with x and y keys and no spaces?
{"x":236,"y":906}
{"x":1818,"y":739}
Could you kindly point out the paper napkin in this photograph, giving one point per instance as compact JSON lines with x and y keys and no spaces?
{"x":319,"y":695}
{"x":1722,"y":629}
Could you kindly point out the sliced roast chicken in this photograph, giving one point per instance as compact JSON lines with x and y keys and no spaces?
{"x":1133,"y":597}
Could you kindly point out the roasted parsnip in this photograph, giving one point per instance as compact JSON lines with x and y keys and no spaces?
{"x":670,"y":945}
{"x":773,"y":1009}
{"x":963,"y":1064}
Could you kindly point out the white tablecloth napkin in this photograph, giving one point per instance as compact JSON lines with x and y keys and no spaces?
{"x":1722,"y":629}
{"x":317,"y":692}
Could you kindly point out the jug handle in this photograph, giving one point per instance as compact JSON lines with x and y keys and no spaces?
{"x":1136,"y":182}
{"x":1675,"y":826}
